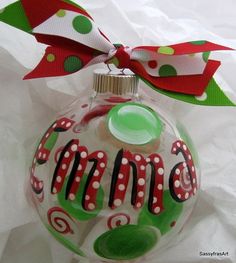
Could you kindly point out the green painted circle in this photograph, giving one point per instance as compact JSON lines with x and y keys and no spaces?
{"x":72,"y":64}
{"x":75,"y":208}
{"x":200,"y":42}
{"x":126,"y":242}
{"x":163,"y":221}
{"x":61,"y":13}
{"x":134,"y":123}
{"x":167,"y":70}
{"x":82,"y":24}
{"x":166,"y":50}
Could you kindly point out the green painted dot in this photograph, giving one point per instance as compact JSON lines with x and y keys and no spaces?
{"x":61,"y":13}
{"x":126,"y":242}
{"x":206,"y":56}
{"x":134,"y":123}
{"x":167,"y":71}
{"x":51,"y":57}
{"x":163,"y":221}
{"x":200,"y":42}
{"x":72,"y":64}
{"x":166,"y":50}
{"x":66,"y":242}
{"x":75,"y":208}
{"x":82,"y":24}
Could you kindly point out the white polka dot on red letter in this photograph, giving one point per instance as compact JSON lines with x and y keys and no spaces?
{"x":142,"y":167}
{"x":72,"y":197}
{"x":58,"y":179}
{"x":83,"y":155}
{"x":141,"y":181}
{"x":177,"y":171}
{"x":161,"y":171}
{"x":120,"y":176}
{"x":117,"y":202}
{"x":177,"y":183}
{"x":96,"y":185}
{"x":121,"y":187}
{"x":64,"y":166}
{"x":102,"y":165}
{"x":77,"y":179}
{"x":124,"y":161}
{"x":67,"y":154}
{"x":141,"y":194}
{"x":74,"y":148}
{"x":100,"y":155}
{"x":96,"y":173}
{"x":91,"y":206}
{"x":157,"y":210}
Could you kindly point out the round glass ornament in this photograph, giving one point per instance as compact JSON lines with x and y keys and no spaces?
{"x":112,"y":178}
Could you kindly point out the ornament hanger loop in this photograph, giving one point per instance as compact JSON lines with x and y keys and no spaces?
{"x":122,"y":71}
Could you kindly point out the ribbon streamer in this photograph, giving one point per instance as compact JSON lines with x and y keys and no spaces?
{"x":182,"y":71}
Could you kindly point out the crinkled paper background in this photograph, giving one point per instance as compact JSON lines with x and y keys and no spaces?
{"x":27,"y":107}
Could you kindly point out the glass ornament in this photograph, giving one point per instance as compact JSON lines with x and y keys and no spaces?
{"x":114,"y":178}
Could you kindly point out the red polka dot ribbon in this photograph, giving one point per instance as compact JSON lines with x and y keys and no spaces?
{"x":182,"y":71}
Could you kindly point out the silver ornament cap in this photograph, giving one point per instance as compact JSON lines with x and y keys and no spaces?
{"x":115,"y":82}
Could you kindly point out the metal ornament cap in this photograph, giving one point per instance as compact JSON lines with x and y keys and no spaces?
{"x":116,"y":82}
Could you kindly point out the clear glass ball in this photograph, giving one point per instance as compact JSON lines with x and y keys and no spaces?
{"x":114,"y":179}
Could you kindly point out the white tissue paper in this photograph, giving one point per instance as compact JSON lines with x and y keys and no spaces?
{"x":27,"y":107}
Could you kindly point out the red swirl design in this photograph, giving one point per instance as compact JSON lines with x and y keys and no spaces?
{"x":58,"y":220}
{"x":117,"y":220}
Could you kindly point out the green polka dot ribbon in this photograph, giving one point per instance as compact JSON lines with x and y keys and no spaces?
{"x":181,"y":71}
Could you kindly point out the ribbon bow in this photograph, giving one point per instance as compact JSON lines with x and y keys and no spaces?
{"x":182,"y":71}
